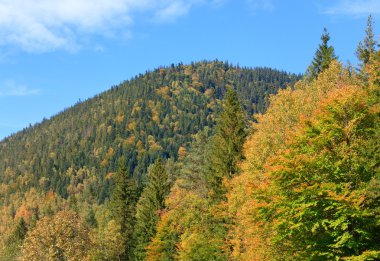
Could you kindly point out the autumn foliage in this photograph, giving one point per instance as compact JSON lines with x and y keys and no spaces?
{"x":307,"y":196}
{"x":61,"y":237}
{"x":298,"y":182}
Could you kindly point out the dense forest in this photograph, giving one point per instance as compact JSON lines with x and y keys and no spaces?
{"x":206,"y":161}
{"x":73,"y":156}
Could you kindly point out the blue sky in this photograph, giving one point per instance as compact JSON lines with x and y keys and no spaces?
{"x":53,"y":53}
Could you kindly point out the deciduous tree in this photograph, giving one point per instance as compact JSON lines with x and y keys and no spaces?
{"x":63,"y":236}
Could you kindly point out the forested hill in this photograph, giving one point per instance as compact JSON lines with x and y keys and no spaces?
{"x":165,"y":167}
{"x":150,"y":116}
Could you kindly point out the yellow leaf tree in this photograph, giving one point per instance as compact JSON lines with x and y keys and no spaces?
{"x":60,"y":237}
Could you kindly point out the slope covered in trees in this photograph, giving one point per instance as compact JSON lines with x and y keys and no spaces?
{"x":301,"y":182}
{"x":70,"y":160}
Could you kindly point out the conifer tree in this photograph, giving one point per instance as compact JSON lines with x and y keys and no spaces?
{"x":91,"y":219}
{"x":322,"y":58}
{"x":194,"y":170}
{"x":123,"y":207}
{"x":14,"y":241}
{"x":366,"y":49}
{"x":227,"y":143}
{"x":151,"y":202}
{"x":188,"y":192}
{"x":20,"y":230}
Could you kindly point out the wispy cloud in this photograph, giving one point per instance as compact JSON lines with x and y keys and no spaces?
{"x":46,"y":25}
{"x":11,"y":88}
{"x":261,"y":5}
{"x":354,"y":7}
{"x":173,"y":10}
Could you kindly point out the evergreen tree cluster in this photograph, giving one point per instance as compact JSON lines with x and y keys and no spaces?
{"x":147,"y":117}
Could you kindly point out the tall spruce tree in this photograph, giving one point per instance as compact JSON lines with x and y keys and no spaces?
{"x":367,"y":48}
{"x":123,"y":207}
{"x":194,"y":170}
{"x":322,"y":58}
{"x":151,"y":202}
{"x":227,"y":144}
{"x":14,"y":242}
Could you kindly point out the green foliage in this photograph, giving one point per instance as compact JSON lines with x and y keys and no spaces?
{"x":123,"y":207}
{"x":146,"y":117}
{"x":200,"y":234}
{"x":149,"y":206}
{"x":189,"y":192}
{"x":193,"y":174}
{"x":91,"y":219}
{"x":322,"y":58}
{"x":227,"y":144}
{"x":20,"y":230}
{"x":71,"y":159}
{"x":366,"y":48}
{"x":322,"y":181}
{"x":108,"y":242}
{"x":12,"y":247}
{"x":306,"y":187}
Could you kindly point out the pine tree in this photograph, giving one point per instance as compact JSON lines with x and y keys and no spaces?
{"x":91,"y":219}
{"x":20,"y":230}
{"x":227,"y":143}
{"x":367,"y":48}
{"x":123,"y":207}
{"x":151,"y":202}
{"x":11,"y":251}
{"x":323,"y":57}
{"x":194,"y":170}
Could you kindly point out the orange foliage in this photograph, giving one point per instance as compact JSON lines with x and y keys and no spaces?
{"x":164,"y":92}
{"x":251,"y":237}
{"x":120,"y":117}
{"x":23,"y":212}
{"x":109,"y":175}
{"x":209,"y":92}
{"x":131,"y":126}
{"x":130,"y":140}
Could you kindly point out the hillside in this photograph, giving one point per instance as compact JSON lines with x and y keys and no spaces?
{"x":302,"y":184}
{"x":205,"y":161}
{"x":75,"y":153}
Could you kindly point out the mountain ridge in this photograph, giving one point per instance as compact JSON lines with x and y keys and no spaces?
{"x":249,"y":91}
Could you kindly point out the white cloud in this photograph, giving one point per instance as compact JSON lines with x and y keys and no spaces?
{"x":11,"y":88}
{"x":354,"y":7}
{"x":45,"y":25}
{"x":173,"y":10}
